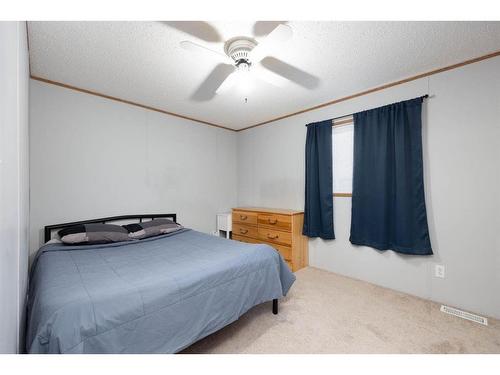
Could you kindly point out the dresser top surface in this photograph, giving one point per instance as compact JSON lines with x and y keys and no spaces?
{"x":282,"y":211}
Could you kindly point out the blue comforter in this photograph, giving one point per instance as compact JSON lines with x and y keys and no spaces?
{"x":157,"y":295}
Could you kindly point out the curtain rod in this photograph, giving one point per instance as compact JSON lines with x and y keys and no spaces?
{"x":339,"y":117}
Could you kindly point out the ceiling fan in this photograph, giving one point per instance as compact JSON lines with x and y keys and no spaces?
{"x":243,"y":61}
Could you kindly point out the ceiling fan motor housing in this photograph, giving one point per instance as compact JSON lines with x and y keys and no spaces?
{"x":238,"y":49}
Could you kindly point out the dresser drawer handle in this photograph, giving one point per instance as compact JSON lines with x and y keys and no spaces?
{"x":272,"y":221}
{"x":243,"y":217}
{"x":272,"y":237}
{"x":243,"y":231}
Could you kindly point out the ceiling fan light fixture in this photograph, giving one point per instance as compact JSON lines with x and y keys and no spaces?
{"x":243,"y":65}
{"x":245,"y":83}
{"x":238,"y":49}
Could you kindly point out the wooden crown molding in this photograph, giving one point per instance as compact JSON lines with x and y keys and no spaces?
{"x":379,"y":88}
{"x":335,"y":101}
{"x":60,"y":84}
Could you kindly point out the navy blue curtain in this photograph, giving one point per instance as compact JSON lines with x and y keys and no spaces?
{"x":318,"y":210}
{"x":388,"y":204}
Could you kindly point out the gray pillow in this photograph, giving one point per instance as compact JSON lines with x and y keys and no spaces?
{"x":87,"y":234}
{"x":151,"y":228}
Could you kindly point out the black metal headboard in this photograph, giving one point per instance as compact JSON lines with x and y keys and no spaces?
{"x":49,"y":228}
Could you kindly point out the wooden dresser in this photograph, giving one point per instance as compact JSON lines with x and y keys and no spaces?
{"x":279,"y":228}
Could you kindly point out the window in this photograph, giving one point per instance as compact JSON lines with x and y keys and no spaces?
{"x":342,"y":143}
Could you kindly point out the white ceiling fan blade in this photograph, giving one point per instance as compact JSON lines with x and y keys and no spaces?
{"x":206,"y":90}
{"x":227,"y":84}
{"x":289,"y":72}
{"x":204,"y":51}
{"x":278,"y":35}
{"x":269,"y":77}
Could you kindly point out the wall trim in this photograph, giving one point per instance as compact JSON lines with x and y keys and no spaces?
{"x":326,"y":104}
{"x":378,"y":88}
{"x":95,"y":93}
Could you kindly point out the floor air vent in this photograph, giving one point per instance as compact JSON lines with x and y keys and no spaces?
{"x":464,"y":315}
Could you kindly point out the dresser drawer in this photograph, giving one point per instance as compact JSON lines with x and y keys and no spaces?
{"x":285,"y":251}
{"x":274,"y":221}
{"x":245,"y":239}
{"x":275,"y":236}
{"x":245,"y":230}
{"x":245,"y":217}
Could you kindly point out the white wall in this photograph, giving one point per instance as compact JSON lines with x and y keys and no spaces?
{"x":14,"y":198}
{"x":461,"y":161}
{"x":92,"y":157}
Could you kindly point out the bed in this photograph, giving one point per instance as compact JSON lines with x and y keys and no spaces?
{"x":156,"y":295}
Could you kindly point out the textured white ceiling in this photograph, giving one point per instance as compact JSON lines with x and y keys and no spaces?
{"x":143,"y":62}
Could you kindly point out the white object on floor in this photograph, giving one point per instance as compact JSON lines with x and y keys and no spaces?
{"x":225,"y":223}
{"x":464,"y":315}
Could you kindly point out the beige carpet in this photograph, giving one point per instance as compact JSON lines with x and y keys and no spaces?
{"x":328,"y":313}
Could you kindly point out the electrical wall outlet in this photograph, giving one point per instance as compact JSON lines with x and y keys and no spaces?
{"x":439,"y":271}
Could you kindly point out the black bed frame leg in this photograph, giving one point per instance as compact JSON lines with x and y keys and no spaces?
{"x":275,"y":306}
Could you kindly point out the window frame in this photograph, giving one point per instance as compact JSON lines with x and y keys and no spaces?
{"x":339,"y":122}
